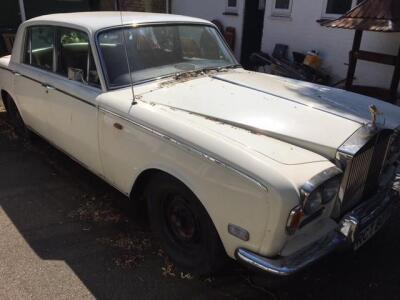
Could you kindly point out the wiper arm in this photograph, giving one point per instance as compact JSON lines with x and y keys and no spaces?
{"x":193,"y":73}
{"x":220,"y":69}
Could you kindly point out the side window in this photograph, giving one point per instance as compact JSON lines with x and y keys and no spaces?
{"x":75,"y":54}
{"x":40,"y":47}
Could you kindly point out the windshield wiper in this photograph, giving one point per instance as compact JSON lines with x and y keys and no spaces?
{"x":194,"y":73}
{"x":221,"y":68}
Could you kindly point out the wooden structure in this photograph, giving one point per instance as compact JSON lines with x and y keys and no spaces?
{"x":372,"y":15}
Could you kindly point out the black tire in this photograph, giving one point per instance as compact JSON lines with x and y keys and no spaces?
{"x":183,"y":226}
{"x":14,"y":118}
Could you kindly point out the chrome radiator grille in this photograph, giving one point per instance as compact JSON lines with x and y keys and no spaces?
{"x":361,"y":178}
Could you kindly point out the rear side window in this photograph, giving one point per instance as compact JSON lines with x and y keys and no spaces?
{"x":75,"y":53}
{"x":39,"y":48}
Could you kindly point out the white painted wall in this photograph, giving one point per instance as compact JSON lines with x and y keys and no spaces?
{"x":211,"y":10}
{"x":302,"y":33}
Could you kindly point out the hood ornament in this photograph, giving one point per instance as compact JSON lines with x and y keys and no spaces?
{"x":374,"y":114}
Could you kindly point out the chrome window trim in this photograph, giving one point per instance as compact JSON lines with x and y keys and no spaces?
{"x":319,"y":179}
{"x":145,"y":24}
{"x":190,"y":148}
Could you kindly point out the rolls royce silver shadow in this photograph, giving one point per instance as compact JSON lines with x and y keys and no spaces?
{"x":273,"y":172}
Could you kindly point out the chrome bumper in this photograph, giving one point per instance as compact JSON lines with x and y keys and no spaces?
{"x":343,"y":237}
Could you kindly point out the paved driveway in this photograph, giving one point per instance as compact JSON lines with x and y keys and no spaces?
{"x":66,"y":234}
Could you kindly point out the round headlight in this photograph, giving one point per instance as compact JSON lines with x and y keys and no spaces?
{"x":330,"y":189}
{"x":313,"y":202}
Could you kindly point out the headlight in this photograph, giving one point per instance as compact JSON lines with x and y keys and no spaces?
{"x":321,"y":190}
{"x":313,"y":202}
{"x":330,"y":189}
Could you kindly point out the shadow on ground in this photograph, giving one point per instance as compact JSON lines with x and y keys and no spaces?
{"x":66,"y":214}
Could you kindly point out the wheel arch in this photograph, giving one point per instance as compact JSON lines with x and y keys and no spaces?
{"x":4,"y":95}
{"x":137,"y":194}
{"x":145,"y":176}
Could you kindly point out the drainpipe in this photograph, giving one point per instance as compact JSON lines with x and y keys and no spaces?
{"x":22,"y":10}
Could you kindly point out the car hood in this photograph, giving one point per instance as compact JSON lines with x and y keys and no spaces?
{"x":313,"y":117}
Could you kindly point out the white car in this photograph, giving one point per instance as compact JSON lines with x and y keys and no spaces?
{"x":273,"y":172}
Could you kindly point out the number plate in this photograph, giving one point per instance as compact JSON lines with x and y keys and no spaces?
{"x":370,"y":230}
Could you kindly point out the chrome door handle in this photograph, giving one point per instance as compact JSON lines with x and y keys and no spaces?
{"x":17,"y":74}
{"x":118,"y":126}
{"x":48,"y":87}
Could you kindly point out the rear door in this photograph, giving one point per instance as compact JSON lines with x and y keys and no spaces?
{"x":38,"y":60}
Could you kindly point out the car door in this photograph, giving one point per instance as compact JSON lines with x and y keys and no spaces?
{"x":37,"y":62}
{"x":72,"y":105}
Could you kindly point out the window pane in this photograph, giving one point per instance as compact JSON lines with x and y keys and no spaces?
{"x":338,"y":7}
{"x":282,"y":4}
{"x":75,"y":53}
{"x":42,"y":40}
{"x":155,"y":51}
{"x":232,"y":3}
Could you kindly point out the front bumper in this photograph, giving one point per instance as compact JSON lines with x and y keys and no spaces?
{"x":345,"y":236}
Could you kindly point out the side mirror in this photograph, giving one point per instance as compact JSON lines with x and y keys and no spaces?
{"x":76,"y":75}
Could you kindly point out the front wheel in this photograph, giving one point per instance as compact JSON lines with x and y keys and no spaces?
{"x":183,"y":226}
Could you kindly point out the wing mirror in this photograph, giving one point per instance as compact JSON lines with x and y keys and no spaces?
{"x":76,"y":75}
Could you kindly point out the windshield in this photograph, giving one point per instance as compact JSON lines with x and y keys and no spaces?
{"x":160,"y":50}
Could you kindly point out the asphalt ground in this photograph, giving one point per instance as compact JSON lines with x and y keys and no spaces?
{"x":65,"y":234}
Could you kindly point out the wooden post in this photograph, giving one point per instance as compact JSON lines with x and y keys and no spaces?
{"x":396,"y":80}
{"x":353,"y":59}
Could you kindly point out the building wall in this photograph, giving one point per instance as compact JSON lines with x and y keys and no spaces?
{"x":34,"y":8}
{"x":301,"y":33}
{"x":158,"y":6}
{"x":213,"y":10}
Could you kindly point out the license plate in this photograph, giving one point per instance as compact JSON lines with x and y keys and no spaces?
{"x":370,"y":230}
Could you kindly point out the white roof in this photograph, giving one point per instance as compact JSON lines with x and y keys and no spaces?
{"x":96,"y":20}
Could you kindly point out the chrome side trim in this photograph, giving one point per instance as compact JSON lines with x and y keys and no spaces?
{"x":61,"y":91}
{"x":6,"y":69}
{"x":189,"y":148}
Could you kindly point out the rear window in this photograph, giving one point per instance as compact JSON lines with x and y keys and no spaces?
{"x":39,"y":48}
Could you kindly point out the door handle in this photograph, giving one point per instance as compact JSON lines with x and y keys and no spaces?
{"x":118,"y":126}
{"x":48,"y":87}
{"x":17,"y":74}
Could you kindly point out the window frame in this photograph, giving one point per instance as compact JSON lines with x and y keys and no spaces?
{"x":28,"y":35}
{"x":88,"y":60}
{"x":56,"y":52}
{"x":110,"y":87}
{"x":326,"y":15}
{"x":279,"y":12}
{"x":231,"y":9}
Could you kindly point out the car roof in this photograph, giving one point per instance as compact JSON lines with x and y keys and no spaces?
{"x":96,"y":20}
